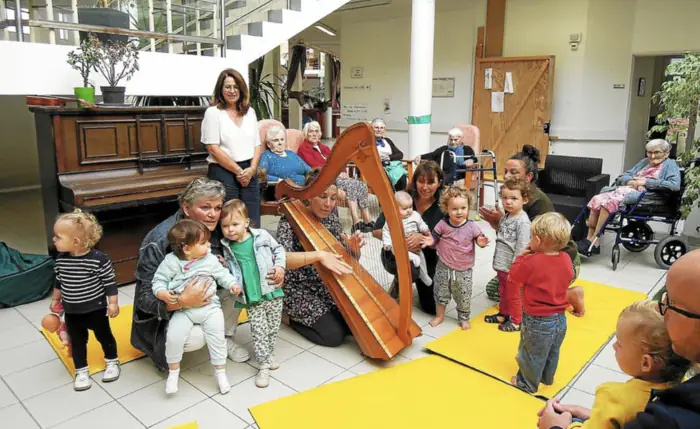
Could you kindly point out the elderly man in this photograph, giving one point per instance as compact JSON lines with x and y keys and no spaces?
{"x":677,"y":407}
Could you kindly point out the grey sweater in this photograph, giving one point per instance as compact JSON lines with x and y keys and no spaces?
{"x":512,"y":239}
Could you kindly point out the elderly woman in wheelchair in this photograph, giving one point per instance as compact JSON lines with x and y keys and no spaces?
{"x":652,"y":174}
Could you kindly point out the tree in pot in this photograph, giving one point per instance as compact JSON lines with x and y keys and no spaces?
{"x":679,"y":97}
{"x":116,"y":61}
{"x":84,"y":59}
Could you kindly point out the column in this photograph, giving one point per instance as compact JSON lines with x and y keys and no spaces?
{"x":421,"y":89}
{"x":295,"y":109}
{"x":327,"y":65}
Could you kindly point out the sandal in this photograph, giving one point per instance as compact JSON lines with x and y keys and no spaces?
{"x":357,"y":227}
{"x":496,"y":318}
{"x":509,"y":326}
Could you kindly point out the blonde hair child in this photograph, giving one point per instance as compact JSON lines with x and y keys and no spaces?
{"x":87,"y":291}
{"x":643,"y":351}
{"x":252,"y":254}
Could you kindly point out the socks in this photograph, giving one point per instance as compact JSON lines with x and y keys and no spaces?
{"x":222,"y":379}
{"x":171,"y":382}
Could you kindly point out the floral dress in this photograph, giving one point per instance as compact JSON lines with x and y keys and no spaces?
{"x":612,"y":200}
{"x":306,"y":298}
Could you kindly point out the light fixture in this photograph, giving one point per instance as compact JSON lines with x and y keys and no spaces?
{"x":326,"y":29}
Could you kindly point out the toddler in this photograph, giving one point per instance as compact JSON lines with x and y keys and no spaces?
{"x":412,"y":222}
{"x":512,"y":239}
{"x":454,"y":241}
{"x":190,"y":257}
{"x":542,"y":276}
{"x":643,"y":351}
{"x":252,"y":254}
{"x":86,"y":287}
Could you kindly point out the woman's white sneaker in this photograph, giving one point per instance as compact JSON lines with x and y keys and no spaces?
{"x":263,"y":377}
{"x":112,"y":370}
{"x":82,"y":379}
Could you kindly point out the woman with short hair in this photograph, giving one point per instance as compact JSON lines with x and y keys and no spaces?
{"x":230,"y":134}
{"x":391,"y":156}
{"x":279,"y":162}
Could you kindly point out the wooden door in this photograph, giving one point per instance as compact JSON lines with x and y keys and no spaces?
{"x":526,"y":111}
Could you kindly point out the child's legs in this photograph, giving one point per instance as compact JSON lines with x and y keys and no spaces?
{"x":503,"y":301}
{"x":78,"y":332}
{"x":99,"y":323}
{"x":536,"y":339}
{"x":461,"y":288}
{"x":179,"y":329}
{"x":260,"y":330}
{"x":441,"y":285}
{"x":231,"y":313}
{"x":550,"y":367}
{"x":274,"y":318}
{"x":213,"y":329}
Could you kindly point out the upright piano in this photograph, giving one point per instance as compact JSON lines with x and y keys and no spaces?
{"x":125,"y":165}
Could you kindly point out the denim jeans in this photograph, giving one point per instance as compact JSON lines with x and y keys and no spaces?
{"x":538,"y":353}
{"x":250,"y":194}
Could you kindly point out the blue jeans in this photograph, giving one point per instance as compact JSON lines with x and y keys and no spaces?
{"x":250,"y":194}
{"x":538,"y":352}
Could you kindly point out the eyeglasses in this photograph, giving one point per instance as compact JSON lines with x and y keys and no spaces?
{"x":655,"y":153}
{"x":276,"y":140}
{"x":664,"y":306}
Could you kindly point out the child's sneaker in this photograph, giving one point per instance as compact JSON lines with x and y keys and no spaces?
{"x":171,"y":382}
{"x":263,"y":377}
{"x":112,"y":370}
{"x":222,"y":379}
{"x":274,"y":365}
{"x":82,"y":380}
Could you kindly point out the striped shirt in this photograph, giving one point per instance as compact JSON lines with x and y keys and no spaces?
{"x":85,"y":281}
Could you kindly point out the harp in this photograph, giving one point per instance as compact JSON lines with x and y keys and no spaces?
{"x":381,"y":326}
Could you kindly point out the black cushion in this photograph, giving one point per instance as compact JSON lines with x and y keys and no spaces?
{"x":567,"y":175}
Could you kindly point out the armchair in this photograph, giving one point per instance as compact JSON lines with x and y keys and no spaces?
{"x":570,"y":182}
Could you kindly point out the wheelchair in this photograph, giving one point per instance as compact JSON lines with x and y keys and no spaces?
{"x":630,"y":223}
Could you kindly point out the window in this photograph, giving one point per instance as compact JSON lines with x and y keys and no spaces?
{"x":62,"y":33}
{"x":11,"y":18}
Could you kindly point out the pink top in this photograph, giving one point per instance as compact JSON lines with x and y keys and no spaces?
{"x":455,"y":244}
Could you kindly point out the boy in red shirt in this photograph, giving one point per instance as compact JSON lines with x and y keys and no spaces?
{"x":543,"y":274}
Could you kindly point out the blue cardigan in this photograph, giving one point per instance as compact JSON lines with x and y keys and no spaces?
{"x":669,"y":176}
{"x":284,"y":167}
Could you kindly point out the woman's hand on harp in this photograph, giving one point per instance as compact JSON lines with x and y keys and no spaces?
{"x":334,"y":263}
{"x":354,"y":243}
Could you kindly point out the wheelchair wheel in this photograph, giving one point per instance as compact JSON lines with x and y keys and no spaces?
{"x":638,"y":231}
{"x":615,"y":256}
{"x":669,"y":250}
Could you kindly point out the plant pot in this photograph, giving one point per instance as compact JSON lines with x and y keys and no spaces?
{"x":113,"y":94}
{"x":106,"y":18}
{"x":85,"y":94}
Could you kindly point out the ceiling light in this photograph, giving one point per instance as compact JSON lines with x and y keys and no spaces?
{"x":326,"y":29}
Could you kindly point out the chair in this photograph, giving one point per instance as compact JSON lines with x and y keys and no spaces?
{"x":570,"y":182}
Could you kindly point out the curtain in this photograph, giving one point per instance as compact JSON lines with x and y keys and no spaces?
{"x":298,"y":59}
{"x":335,"y":84}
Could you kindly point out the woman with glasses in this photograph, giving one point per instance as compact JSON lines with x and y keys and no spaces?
{"x":655,"y":172}
{"x":230,"y":134}
{"x":391,"y":156}
{"x":279,"y":162}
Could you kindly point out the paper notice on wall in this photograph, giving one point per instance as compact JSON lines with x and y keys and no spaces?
{"x":497,"y":101}
{"x":358,"y":87}
{"x":354,"y":112}
{"x":508,"y":85}
{"x":488,"y":78}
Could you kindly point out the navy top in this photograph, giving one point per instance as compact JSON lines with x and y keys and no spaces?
{"x":284,"y":167}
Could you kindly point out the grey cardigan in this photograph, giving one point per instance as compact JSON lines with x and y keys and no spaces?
{"x":268,"y":254}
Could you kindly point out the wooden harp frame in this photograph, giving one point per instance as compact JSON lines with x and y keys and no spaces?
{"x":357,"y":144}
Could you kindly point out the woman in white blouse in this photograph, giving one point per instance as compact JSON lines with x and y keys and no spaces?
{"x":230,"y":133}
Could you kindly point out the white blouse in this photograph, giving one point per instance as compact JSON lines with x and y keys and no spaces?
{"x":385,"y":149}
{"x":237,"y":142}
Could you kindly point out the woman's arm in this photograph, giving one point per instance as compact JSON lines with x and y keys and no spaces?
{"x":329,"y":260}
{"x":629,"y":174}
{"x":256,"y":158}
{"x":396,"y":154}
{"x":223,"y":159}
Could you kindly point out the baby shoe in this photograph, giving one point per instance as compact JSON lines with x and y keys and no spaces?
{"x":263,"y":377}
{"x":82,"y":380}
{"x":274,"y":365}
{"x":112,"y":370}
{"x":222,"y":379}
{"x":171,"y":382}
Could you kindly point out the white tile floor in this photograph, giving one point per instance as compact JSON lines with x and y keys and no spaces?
{"x":36,"y":390}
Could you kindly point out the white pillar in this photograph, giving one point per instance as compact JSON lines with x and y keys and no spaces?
{"x":421,"y":89}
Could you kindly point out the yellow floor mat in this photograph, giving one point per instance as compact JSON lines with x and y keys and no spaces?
{"x":121,"y":329}
{"x":191,"y":425}
{"x":491,"y":351}
{"x":431,"y":392}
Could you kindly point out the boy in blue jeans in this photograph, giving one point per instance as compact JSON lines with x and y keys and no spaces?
{"x":544,"y":274}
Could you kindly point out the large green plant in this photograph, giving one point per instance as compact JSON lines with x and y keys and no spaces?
{"x":263,"y":92}
{"x":85,"y":58}
{"x":679,"y":98}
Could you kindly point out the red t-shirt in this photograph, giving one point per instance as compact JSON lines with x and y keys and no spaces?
{"x":545,"y":280}
{"x":312,"y":156}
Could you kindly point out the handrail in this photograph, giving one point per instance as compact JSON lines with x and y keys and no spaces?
{"x":122,"y":31}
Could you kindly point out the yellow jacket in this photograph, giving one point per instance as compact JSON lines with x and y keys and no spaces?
{"x":617,"y":403}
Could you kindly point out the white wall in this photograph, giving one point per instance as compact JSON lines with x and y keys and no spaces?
{"x":381,"y":47}
{"x":42,"y":69}
{"x":644,"y":67}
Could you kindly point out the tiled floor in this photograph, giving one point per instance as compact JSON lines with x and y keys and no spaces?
{"x":36,"y":390}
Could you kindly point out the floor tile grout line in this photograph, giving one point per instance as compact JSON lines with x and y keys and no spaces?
{"x":29,"y":367}
{"x":84,"y":412}
{"x":11,"y":391}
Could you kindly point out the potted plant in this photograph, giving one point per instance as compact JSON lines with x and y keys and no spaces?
{"x":84,"y":59}
{"x":679,"y":96}
{"x":116,"y":61}
{"x":101,"y":14}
